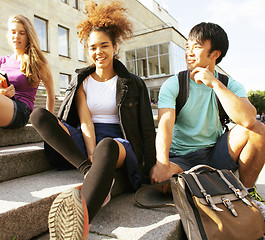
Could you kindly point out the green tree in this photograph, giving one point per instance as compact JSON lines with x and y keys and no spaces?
{"x":257,"y":98}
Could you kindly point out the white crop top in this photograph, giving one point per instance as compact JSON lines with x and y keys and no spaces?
{"x":101,"y":99}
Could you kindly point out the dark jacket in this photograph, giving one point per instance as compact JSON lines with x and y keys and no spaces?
{"x":134,"y":111}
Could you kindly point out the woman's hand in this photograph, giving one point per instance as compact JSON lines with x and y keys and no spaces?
{"x":8,"y":92}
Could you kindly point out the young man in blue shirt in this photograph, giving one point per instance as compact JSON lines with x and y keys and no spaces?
{"x":196,"y":137}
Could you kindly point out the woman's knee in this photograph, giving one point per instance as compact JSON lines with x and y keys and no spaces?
{"x":39,"y":116}
{"x":110,"y":147}
{"x":106,"y":153}
{"x":108,"y":144}
{"x":7,"y":110}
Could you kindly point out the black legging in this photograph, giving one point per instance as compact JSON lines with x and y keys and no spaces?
{"x":98,"y":181}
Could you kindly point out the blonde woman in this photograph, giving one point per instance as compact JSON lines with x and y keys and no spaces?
{"x":25,"y":69}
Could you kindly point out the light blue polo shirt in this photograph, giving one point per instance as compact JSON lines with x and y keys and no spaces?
{"x":198,"y":125}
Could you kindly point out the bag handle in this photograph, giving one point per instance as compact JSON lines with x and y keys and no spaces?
{"x":146,"y":187}
{"x":238,"y":193}
{"x":195,"y":168}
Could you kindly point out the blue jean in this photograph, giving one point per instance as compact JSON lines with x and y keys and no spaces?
{"x":20,"y":116}
{"x":217,"y":157}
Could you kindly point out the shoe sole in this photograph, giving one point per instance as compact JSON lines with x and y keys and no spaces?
{"x":68,"y":217}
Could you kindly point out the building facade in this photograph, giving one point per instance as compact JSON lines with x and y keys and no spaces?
{"x":55,"y":22}
{"x":155,"y":52}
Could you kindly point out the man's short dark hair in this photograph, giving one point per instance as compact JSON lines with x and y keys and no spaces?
{"x":213,"y":32}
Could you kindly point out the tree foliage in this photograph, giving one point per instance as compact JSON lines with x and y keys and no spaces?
{"x":257,"y":98}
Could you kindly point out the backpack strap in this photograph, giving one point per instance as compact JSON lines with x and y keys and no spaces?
{"x":222,"y":114}
{"x":182,"y":97}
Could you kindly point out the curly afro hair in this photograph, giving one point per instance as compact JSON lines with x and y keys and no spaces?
{"x":109,"y":17}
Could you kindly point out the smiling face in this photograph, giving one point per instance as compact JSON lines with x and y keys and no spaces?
{"x":101,"y":49}
{"x":17,"y":37}
{"x":198,"y":55}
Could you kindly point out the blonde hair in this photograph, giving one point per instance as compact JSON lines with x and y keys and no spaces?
{"x":109,"y":17}
{"x":33,"y":62}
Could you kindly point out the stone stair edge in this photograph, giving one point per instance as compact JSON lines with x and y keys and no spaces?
{"x":127,"y":220}
{"x":22,"y":160}
{"x":5,"y":150}
{"x":34,"y":194}
{"x":18,"y":136}
{"x":28,"y":199}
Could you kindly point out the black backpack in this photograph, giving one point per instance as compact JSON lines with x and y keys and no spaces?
{"x":181,"y":99}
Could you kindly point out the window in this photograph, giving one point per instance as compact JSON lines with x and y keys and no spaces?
{"x":164,"y":64}
{"x":81,"y":51}
{"x":152,"y":50}
{"x":65,"y":1}
{"x":64,"y":81}
{"x":164,"y":58}
{"x":75,"y":4}
{"x":41,"y":26}
{"x":178,"y":62}
{"x":149,"y":61}
{"x":141,"y":53}
{"x":131,"y":67}
{"x":153,"y":66}
{"x":130,"y":55}
{"x":163,"y":48}
{"x":63,"y":41}
{"x":142,"y":67}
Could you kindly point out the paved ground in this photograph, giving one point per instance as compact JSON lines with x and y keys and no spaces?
{"x":122,"y":219}
{"x":160,"y":225}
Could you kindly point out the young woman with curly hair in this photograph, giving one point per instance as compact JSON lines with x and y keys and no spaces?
{"x":25,"y":69}
{"x":107,"y":113}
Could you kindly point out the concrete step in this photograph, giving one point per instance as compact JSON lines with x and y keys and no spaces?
{"x":121,"y":219}
{"x":22,"y":160}
{"x":43,"y":102}
{"x":43,"y":105}
{"x":25,"y":202}
{"x":24,"y":135}
{"x":40,"y":102}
